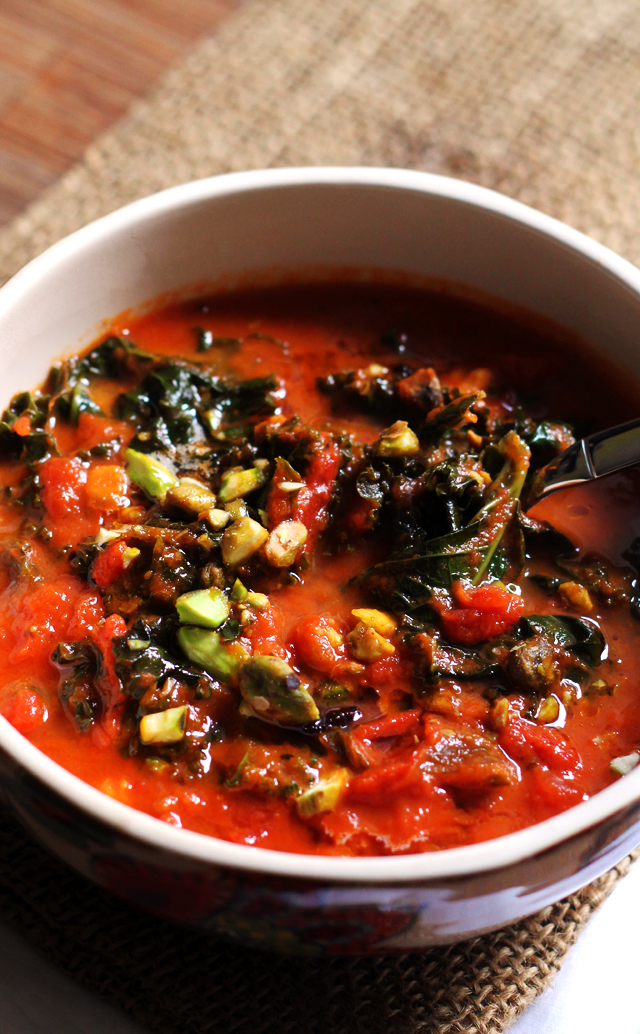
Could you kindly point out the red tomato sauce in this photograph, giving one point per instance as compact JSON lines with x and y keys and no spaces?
{"x":420,"y":755}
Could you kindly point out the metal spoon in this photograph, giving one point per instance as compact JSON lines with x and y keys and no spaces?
{"x":602,"y":453}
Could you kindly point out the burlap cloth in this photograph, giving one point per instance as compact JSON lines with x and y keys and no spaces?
{"x":539,"y":100}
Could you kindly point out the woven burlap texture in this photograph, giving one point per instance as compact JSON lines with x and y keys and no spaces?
{"x":537,"y":100}
{"x":178,"y":982}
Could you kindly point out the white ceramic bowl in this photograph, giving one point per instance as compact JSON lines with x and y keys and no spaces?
{"x":257,"y":225}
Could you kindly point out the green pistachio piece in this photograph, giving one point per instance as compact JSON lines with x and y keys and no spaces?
{"x":548,"y":710}
{"x":207,"y":608}
{"x":285,"y":542}
{"x":271,"y":690}
{"x":238,"y":508}
{"x":164,"y":726}
{"x":237,"y":483}
{"x":153,"y":478}
{"x":191,"y":495}
{"x":367,"y":645}
{"x":218,"y":519}
{"x":622,"y":766}
{"x":323,"y":795}
{"x":130,"y":554}
{"x":239,"y":592}
{"x":105,"y":536}
{"x":397,"y":440}
{"x":203,"y":646}
{"x":241,"y":540}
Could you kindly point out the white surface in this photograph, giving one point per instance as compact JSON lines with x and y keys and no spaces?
{"x":598,"y":989}
{"x":596,"y":992}
{"x":216,"y":231}
{"x":37,"y":998}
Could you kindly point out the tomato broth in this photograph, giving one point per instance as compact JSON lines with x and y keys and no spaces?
{"x":268,"y":572}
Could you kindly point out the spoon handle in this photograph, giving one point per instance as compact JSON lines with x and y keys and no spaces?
{"x":601,"y":453}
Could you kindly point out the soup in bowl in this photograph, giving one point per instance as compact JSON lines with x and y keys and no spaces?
{"x":287,"y":655}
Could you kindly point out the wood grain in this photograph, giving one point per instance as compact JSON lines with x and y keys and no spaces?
{"x":69,"y":68}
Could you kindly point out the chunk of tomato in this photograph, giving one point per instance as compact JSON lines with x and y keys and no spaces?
{"x":481,"y":613}
{"x":64,"y":487}
{"x":108,"y":682}
{"x":23,"y":706}
{"x":320,"y":643}
{"x":109,"y":564}
{"x":107,"y":487}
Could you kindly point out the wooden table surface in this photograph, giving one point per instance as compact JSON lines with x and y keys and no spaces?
{"x":70,"y":68}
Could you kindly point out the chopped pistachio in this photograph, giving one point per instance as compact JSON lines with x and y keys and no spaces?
{"x":152,"y":477}
{"x":397,"y":440}
{"x":164,"y":726}
{"x":191,"y":495}
{"x":261,"y":464}
{"x":157,"y":764}
{"x":324,"y":795}
{"x":367,"y":645}
{"x":239,"y":592}
{"x":290,"y":486}
{"x":105,"y":536}
{"x":622,"y":766}
{"x":548,"y":710}
{"x":238,"y":508}
{"x":500,"y":713}
{"x":379,"y":620}
{"x":342,"y":668}
{"x":577,"y":596}
{"x":218,"y":519}
{"x":207,"y":608}
{"x":237,"y":483}
{"x":130,"y":554}
{"x":330,"y":692}
{"x":285,"y":542}
{"x":258,"y":600}
{"x":271,"y":689}
{"x":241,"y":540}
{"x":138,"y":644}
{"x":203,"y":646}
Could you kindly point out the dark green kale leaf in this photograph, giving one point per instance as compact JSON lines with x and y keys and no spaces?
{"x":541,"y":536}
{"x":74,"y":401}
{"x":485,"y":545}
{"x":548,"y":440}
{"x":37,"y":444}
{"x":412,"y":578}
{"x":443,"y":418}
{"x":147,"y":655}
{"x":545,"y":582}
{"x":581,"y":636}
{"x":115,"y":358}
{"x":81,"y":666}
{"x":371,"y":389}
{"x":177,"y":403}
{"x":441,"y":660}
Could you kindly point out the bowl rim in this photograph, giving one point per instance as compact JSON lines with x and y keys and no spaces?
{"x":498,"y":853}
